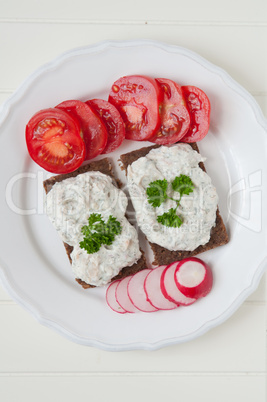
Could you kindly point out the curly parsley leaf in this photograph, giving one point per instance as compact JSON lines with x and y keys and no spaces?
{"x":157,"y":192}
{"x":170,"y":219}
{"x":183,"y":184}
{"x":92,"y":222}
{"x":98,"y":232}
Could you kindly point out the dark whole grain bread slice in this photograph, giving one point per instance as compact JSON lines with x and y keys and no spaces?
{"x":163,"y":256}
{"x":104,"y":166}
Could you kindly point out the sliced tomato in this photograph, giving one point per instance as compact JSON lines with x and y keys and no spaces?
{"x":94,"y":132}
{"x":198,"y":105}
{"x":175,"y":119}
{"x":137,"y":98}
{"x":112,"y":119}
{"x":54,"y":142}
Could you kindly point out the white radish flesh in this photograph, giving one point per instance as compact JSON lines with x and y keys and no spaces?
{"x":193,"y":277}
{"x":170,"y":289}
{"x":122,"y":296}
{"x":111,"y":298}
{"x":153,"y":290}
{"x":137,"y":294}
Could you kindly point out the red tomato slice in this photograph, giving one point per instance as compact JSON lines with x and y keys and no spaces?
{"x":112,"y":119}
{"x":198,"y":105}
{"x":137,"y":98}
{"x":94,"y":132}
{"x":175,"y":119}
{"x":53,"y":141}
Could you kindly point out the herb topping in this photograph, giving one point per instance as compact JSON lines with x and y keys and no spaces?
{"x":98,"y":232}
{"x":157,"y":194}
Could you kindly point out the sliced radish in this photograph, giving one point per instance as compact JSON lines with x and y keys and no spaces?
{"x":122,"y":296}
{"x":136,"y":291}
{"x":153,"y":290}
{"x":193,"y":277}
{"x":111,"y":298}
{"x":169,"y":288}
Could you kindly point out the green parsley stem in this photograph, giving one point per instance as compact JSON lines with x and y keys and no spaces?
{"x":177,"y":201}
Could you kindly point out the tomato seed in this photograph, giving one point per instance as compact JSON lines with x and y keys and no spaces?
{"x":115,"y":88}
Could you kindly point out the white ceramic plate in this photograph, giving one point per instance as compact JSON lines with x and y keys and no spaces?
{"x":33,"y":265}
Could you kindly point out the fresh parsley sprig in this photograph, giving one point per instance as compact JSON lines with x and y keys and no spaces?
{"x":170,"y":219}
{"x":183,"y":184}
{"x":98,"y":232}
{"x":157,"y":194}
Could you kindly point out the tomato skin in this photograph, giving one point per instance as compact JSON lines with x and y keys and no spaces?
{"x":175,"y":118}
{"x":198,"y":105}
{"x":137,"y":98}
{"x":53,"y":141}
{"x":94,"y":132}
{"x":112,"y":119}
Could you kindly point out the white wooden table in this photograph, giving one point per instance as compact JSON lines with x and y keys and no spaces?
{"x":229,"y":362}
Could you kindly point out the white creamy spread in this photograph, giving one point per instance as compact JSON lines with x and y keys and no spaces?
{"x":198,"y":209}
{"x":69,"y":204}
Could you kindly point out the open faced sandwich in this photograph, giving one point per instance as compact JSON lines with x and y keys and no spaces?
{"x":87,"y":209}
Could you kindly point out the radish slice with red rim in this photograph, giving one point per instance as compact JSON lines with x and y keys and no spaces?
{"x":111,"y":298}
{"x":153,"y":290}
{"x":137,"y":294}
{"x":193,"y":277}
{"x":122,"y":296}
{"x":169,"y":288}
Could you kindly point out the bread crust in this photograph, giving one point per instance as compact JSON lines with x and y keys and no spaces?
{"x":104,"y":166}
{"x":163,"y":256}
